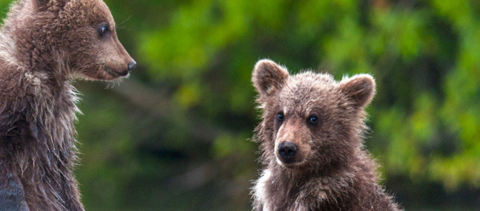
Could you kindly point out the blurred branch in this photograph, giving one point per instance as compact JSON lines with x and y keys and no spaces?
{"x":157,"y":103}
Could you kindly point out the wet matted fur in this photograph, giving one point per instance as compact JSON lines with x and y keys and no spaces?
{"x":44,"y":44}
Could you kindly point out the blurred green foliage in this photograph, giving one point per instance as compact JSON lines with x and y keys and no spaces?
{"x":174,"y":136}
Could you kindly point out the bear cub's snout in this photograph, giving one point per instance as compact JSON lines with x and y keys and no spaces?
{"x":292,"y":144}
{"x":287,"y":151}
{"x":131,"y":66}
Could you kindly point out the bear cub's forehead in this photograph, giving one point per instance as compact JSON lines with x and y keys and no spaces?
{"x":309,"y":78}
{"x":94,"y":10}
{"x":308,"y":89}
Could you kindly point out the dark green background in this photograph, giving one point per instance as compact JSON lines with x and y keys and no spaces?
{"x":176,"y":134}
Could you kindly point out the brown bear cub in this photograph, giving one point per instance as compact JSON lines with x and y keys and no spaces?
{"x":311,"y":140}
{"x":44,"y":44}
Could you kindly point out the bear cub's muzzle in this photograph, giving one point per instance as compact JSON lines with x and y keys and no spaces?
{"x":287,"y":151}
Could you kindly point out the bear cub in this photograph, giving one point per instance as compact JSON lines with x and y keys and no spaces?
{"x":311,"y":139}
{"x":44,"y":45}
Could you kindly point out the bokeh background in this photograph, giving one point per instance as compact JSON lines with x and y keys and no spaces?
{"x":177,"y":134}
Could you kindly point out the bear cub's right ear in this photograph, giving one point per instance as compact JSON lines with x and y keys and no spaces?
{"x":268,"y":77}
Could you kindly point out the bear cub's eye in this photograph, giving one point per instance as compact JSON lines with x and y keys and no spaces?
{"x":103,"y":29}
{"x":280,"y":117}
{"x":313,"y":120}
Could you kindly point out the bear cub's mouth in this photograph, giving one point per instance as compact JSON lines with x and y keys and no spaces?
{"x":114,"y":73}
{"x":290,"y":164}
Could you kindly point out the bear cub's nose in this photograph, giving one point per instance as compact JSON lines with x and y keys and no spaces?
{"x":131,"y":65}
{"x":287,"y":150}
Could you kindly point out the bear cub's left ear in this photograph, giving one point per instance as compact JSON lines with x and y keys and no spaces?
{"x":359,"y":88}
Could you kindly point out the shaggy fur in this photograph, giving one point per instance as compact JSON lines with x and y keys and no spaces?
{"x":331,"y":170}
{"x":44,"y":44}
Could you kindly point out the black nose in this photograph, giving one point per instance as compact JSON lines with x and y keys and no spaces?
{"x":132,"y":65}
{"x":287,"y":150}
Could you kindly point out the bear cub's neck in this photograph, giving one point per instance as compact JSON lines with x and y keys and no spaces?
{"x":318,"y":187}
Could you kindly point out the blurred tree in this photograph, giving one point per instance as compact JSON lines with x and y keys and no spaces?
{"x":174,"y":136}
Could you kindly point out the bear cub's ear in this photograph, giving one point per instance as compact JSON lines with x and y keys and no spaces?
{"x":268,"y":77}
{"x":359,"y":88}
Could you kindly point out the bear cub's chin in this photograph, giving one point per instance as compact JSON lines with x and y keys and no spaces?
{"x":290,"y":164}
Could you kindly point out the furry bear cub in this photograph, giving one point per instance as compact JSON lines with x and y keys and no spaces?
{"x":44,"y":44}
{"x":312,"y":144}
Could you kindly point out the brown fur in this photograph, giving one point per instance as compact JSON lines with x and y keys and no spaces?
{"x":44,"y":44}
{"x":331,"y":170}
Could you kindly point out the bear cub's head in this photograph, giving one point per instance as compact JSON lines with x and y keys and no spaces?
{"x":310,"y":121}
{"x":80,"y":34}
